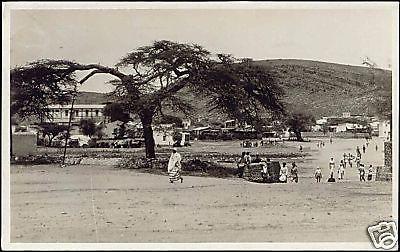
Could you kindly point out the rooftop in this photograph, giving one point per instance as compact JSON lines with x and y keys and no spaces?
{"x":78,"y":106}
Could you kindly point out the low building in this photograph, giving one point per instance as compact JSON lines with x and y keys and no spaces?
{"x":112,"y":129}
{"x":385,"y":129}
{"x":349,"y":127}
{"x":60,"y":113}
{"x":23,"y":144}
{"x":163,"y":134}
{"x":230,"y":124}
{"x":322,"y":121}
{"x":197,"y":131}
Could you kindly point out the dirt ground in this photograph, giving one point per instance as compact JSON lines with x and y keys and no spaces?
{"x":88,"y":203}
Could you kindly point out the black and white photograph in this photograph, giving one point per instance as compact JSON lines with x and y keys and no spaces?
{"x":186,"y":126}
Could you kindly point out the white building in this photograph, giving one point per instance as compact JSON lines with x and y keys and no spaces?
{"x":163,"y":134}
{"x":60,"y":113}
{"x":343,"y":127}
{"x":384,"y":129}
{"x":322,"y":121}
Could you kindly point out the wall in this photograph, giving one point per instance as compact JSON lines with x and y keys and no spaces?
{"x":163,"y":137}
{"x":23,"y":143}
{"x":384,"y":173}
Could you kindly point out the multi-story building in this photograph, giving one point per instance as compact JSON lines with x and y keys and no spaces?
{"x":60,"y":113}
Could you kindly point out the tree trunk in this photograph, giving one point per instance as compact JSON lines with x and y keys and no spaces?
{"x":298,"y":135}
{"x":146,"y":117}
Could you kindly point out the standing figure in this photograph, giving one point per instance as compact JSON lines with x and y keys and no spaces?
{"x":358,"y":152}
{"x":364,"y":148}
{"x":174,"y":166}
{"x":266,"y":170}
{"x":294,"y":173}
{"x":370,"y":171}
{"x":362,"y":172}
{"x":376,"y":147}
{"x":350,"y":159}
{"x":241,"y":164}
{"x":331,"y":167}
{"x":318,"y":174}
{"x":247,"y":158}
{"x":283,"y":173}
{"x":341,"y":170}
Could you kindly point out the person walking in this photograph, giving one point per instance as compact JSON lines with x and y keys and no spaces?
{"x":174,"y":166}
{"x":318,"y":174}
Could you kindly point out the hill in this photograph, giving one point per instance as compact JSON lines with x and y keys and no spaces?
{"x":91,"y":98}
{"x":319,"y":88}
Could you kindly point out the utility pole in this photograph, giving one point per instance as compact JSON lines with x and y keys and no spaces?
{"x":69,"y":126}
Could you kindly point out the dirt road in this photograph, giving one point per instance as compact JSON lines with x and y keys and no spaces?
{"x":89,"y":203}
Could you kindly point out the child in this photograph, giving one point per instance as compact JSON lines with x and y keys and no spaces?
{"x":318,"y":174}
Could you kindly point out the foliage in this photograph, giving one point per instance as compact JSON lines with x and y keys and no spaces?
{"x":99,"y":131}
{"x":88,"y":127}
{"x":37,"y":85}
{"x":150,"y":78}
{"x":116,"y":112}
{"x":298,"y":122}
{"x":170,"y":119}
{"x":51,"y":130}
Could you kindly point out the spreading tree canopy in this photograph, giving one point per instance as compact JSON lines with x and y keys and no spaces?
{"x":298,"y":122}
{"x":150,"y":78}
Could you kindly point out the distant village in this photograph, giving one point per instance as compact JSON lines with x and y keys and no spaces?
{"x":118,"y":134}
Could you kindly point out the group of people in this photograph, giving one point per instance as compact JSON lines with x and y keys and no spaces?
{"x":320,"y":144}
{"x":294,"y":175}
{"x":174,"y":166}
{"x":284,"y":173}
{"x":347,"y":162}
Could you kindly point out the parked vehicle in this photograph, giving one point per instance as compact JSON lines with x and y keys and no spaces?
{"x":79,"y":141}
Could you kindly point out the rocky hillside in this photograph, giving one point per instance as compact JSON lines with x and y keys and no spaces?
{"x":315,"y":87}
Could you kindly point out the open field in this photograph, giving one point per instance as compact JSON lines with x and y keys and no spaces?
{"x":98,"y":203}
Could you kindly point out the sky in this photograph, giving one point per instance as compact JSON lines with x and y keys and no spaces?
{"x":343,"y":36}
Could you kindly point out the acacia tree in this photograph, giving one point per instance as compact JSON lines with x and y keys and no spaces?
{"x":51,"y":130}
{"x":88,"y":127}
{"x":151,"y":77}
{"x":36,"y":86}
{"x":298,"y":122}
{"x":116,"y":112}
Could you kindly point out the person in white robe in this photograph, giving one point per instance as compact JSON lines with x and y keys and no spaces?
{"x":174,"y":167}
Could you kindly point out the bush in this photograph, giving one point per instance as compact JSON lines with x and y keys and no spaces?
{"x":194,"y":167}
{"x":36,"y":160}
